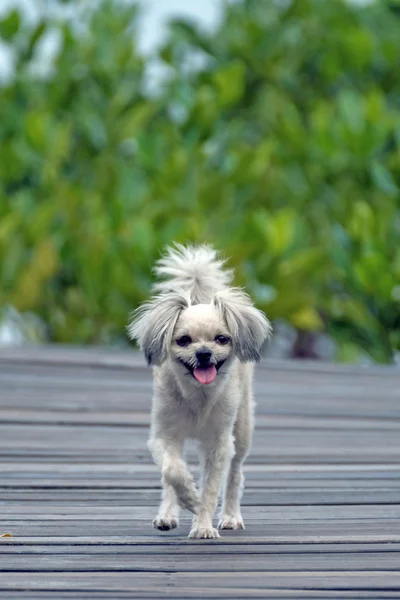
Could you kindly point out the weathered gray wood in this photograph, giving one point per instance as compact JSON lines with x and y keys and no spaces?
{"x":137,"y":497}
{"x":100,"y":357}
{"x":228,"y":593}
{"x":129,"y":444}
{"x":34,"y":511}
{"x":310,"y":473}
{"x":139,"y":547}
{"x":186,"y":563}
{"x":281,"y":530}
{"x":78,"y":488}
{"x":228,"y":581}
{"x":134,"y":418}
{"x":239,"y":539}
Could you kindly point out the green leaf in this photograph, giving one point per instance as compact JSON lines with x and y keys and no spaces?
{"x":230,"y":81}
{"x":383,"y":179}
{"x":307,"y":318}
{"x":352,"y":110}
{"x":35,"y":37}
{"x":9,"y":25}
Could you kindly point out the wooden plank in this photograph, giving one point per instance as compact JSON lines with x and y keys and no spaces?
{"x":254,"y":472}
{"x":78,"y":488}
{"x":289,"y":446}
{"x":195,"y":594}
{"x":320,"y":403}
{"x":170,"y":541}
{"x":138,"y":547}
{"x":134,"y":418}
{"x":290,"y":377}
{"x":353,"y":472}
{"x":37,"y":482}
{"x":137,"y":497}
{"x":102,"y":357}
{"x":332,"y":529}
{"x":201,"y":563}
{"x":139,"y":582}
{"x":287,"y":380}
{"x":34,"y":511}
{"x":277,"y":384}
{"x":282,"y":392}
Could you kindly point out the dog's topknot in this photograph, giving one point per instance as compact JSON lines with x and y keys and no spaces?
{"x":199,"y":270}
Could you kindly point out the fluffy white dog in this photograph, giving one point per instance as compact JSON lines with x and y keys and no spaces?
{"x":201,"y":335}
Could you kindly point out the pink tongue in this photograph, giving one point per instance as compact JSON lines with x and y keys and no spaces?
{"x":205,"y":375}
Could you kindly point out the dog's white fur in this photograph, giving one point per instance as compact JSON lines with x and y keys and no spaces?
{"x":194,"y":299}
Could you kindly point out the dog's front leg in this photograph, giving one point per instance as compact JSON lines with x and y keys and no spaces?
{"x":216,"y":459}
{"x":168,"y":513}
{"x":178,"y":484}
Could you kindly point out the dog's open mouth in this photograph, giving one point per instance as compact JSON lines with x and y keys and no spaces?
{"x":206,"y":374}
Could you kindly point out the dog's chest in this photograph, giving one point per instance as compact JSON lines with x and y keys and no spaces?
{"x":203,"y":415}
{"x":197,"y":412}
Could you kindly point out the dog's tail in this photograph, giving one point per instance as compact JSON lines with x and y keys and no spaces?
{"x":195,"y":269}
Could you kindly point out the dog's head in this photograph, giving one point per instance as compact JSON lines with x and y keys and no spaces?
{"x":200,"y":339}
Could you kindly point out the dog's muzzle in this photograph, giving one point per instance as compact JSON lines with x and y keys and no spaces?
{"x":203,"y":356}
{"x":206,"y":369}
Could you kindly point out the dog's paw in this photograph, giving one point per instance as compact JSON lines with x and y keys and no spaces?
{"x":165,"y":524}
{"x":231,"y":522}
{"x":198,"y":532}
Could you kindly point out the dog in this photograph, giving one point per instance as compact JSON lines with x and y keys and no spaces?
{"x":201,"y":336}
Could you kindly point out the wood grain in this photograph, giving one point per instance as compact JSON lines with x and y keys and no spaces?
{"x":78,"y":488}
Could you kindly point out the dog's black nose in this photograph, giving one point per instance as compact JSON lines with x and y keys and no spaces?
{"x":203,"y":355}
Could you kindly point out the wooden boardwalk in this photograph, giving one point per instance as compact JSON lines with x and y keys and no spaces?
{"x":78,"y":489}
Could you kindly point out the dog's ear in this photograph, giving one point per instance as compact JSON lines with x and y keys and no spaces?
{"x":152,"y":324}
{"x":248,"y":326}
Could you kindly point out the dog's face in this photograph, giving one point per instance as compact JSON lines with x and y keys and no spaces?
{"x":200,"y":339}
{"x":201,"y":343}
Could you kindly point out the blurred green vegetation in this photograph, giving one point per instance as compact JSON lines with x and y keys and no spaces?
{"x":277,"y":139}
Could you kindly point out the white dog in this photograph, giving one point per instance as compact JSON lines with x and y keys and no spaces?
{"x":200,"y":334}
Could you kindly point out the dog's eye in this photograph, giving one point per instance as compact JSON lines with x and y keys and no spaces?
{"x":222,"y":339}
{"x":185,"y":340}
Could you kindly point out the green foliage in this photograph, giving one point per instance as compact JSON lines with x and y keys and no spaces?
{"x":277,"y":139}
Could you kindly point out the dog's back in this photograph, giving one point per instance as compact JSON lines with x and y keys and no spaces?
{"x":195,"y":269}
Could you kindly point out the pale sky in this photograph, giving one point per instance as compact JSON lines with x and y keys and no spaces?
{"x":155,"y":15}
{"x":157,"y":12}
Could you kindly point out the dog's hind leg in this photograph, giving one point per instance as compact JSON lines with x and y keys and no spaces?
{"x":230,"y":516}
